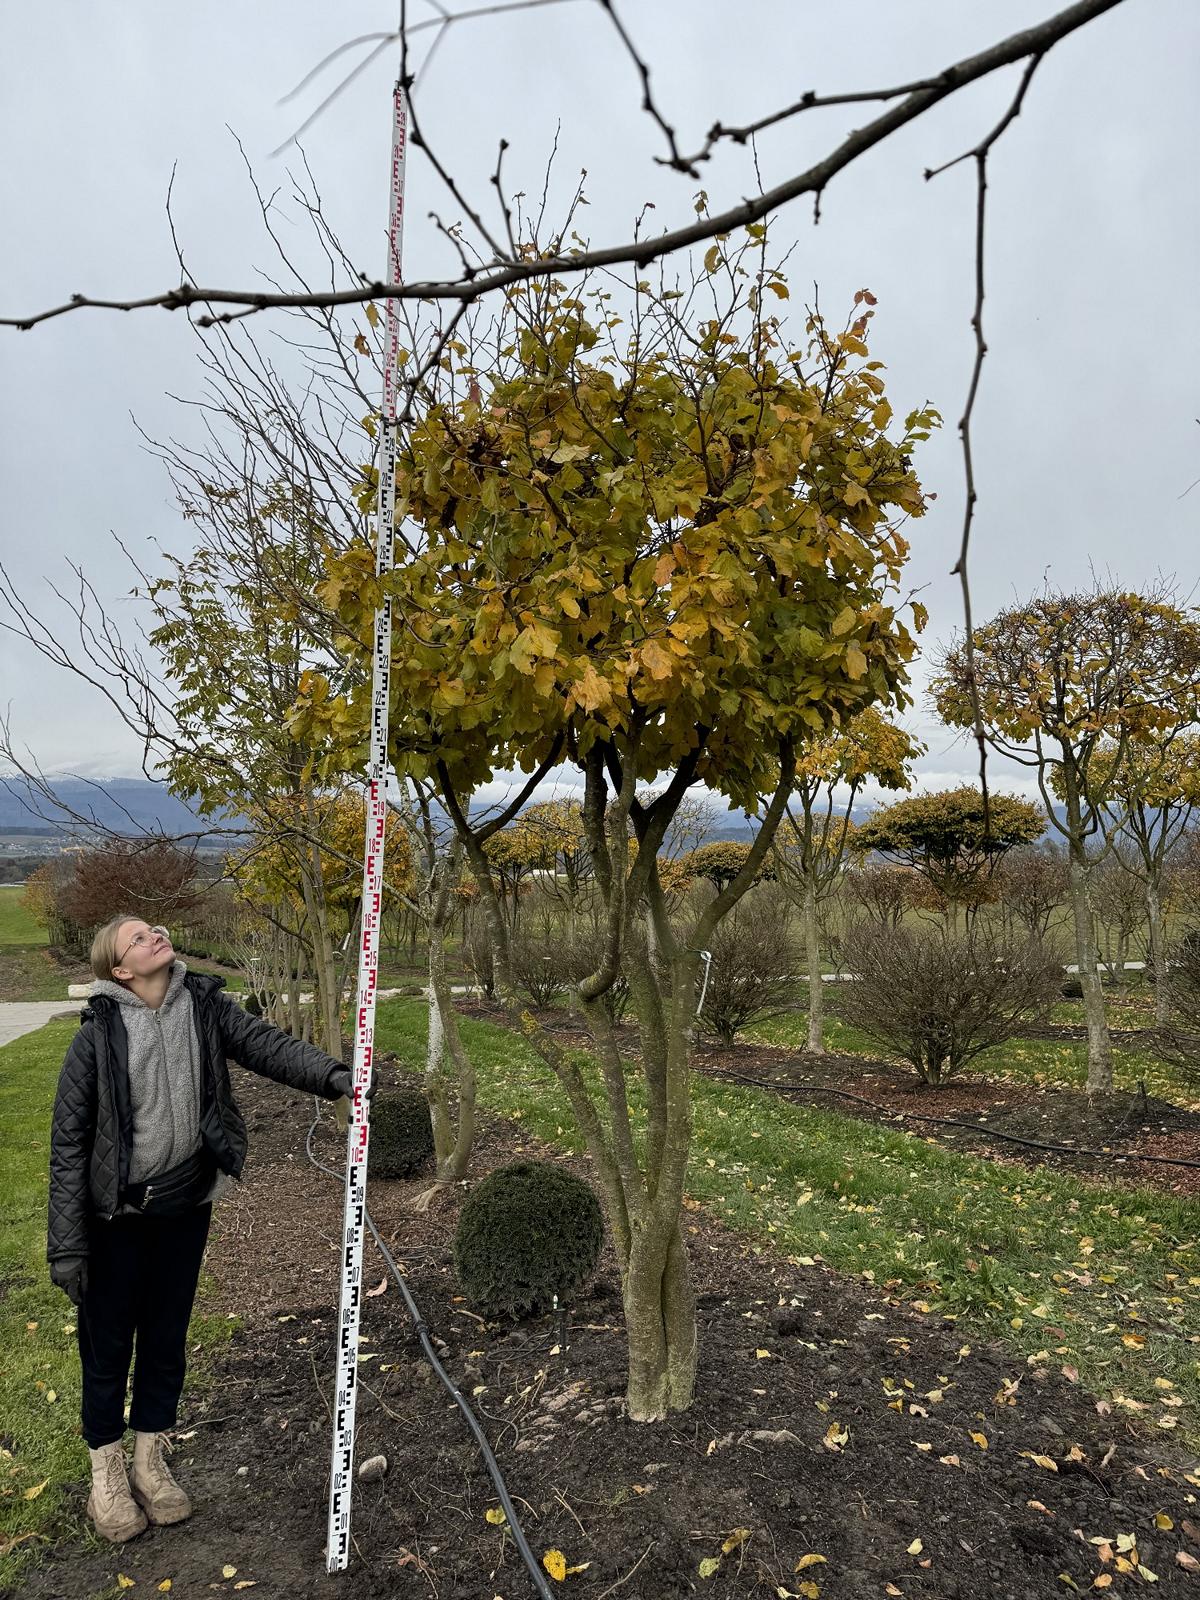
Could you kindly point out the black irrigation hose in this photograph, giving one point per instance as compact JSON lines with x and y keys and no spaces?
{"x":422,"y":1332}
{"x":950,"y":1122}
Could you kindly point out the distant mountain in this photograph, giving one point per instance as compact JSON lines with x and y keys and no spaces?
{"x":124,"y":805}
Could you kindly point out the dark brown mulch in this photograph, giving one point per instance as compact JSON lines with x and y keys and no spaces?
{"x":787,"y":1353}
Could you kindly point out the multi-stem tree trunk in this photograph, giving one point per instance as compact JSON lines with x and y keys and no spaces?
{"x":816,"y":983}
{"x":1099,"y":1072}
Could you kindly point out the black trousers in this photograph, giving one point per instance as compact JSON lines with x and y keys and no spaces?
{"x":142,"y":1276}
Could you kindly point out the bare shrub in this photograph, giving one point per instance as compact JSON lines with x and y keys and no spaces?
{"x":752,"y":976}
{"x":1031,"y":884}
{"x":1179,"y":1041}
{"x":541,"y":967}
{"x":884,"y":893}
{"x":478,"y":954}
{"x":938,"y":998}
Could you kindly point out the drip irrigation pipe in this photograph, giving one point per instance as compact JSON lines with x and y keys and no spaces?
{"x":422,"y":1331}
{"x":950,"y":1122}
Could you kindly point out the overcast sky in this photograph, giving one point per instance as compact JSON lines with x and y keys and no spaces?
{"x":1086,"y":437}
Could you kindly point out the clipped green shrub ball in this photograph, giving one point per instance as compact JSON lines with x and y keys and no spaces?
{"x":401,"y":1133}
{"x":528,"y":1232}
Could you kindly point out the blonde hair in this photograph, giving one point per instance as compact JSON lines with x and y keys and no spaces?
{"x":107,"y":947}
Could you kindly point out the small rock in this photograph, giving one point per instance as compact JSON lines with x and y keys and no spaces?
{"x":766,"y":1436}
{"x":243,"y":1472}
{"x":372,"y":1469}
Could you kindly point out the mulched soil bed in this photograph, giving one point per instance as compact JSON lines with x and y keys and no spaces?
{"x":789,"y":1355}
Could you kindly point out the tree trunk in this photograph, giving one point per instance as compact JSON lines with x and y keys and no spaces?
{"x":816,"y":986}
{"x":452,"y":1146}
{"x":660,"y":1317}
{"x":1158,"y":955}
{"x":1099,"y":1073}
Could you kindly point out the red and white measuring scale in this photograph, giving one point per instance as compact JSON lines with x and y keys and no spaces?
{"x":337,"y":1545}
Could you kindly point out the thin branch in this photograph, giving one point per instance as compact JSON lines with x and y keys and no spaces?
{"x":1034,"y":41}
{"x":959,"y":570}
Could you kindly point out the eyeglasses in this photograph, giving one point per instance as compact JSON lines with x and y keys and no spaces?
{"x":139,"y":939}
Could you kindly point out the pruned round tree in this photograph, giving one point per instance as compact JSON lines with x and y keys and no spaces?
{"x":1074,"y":686}
{"x":663,"y":550}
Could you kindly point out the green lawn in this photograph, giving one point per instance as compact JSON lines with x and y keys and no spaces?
{"x":1103,"y":1280}
{"x":40,"y":1446}
{"x":1050,"y":1063}
{"x":27,"y":969}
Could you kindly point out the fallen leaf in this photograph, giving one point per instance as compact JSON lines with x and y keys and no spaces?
{"x":981,"y":1440}
{"x":950,"y":1461}
{"x":915,"y":1548}
{"x":32,"y":1494}
{"x":1186,"y":1561}
{"x":380,"y":1288}
{"x":555,"y":1564}
{"x":166,"y":1584}
{"x":735,"y":1540}
{"x":890,"y":1588}
{"x":763,"y":1355}
{"x":1041,"y":1461}
{"x":228,"y":1571}
{"x":495,"y":1516}
{"x":835,"y":1436}
{"x":1071,"y":1374}
{"x":1102,"y":1581}
{"x":123,"y":1582}
{"x":709,"y":1565}
{"x":1163,"y":1521}
{"x":245,"y":1583}
{"x":582,"y":1566}
{"x":810,"y":1560}
{"x":1036,"y":1505}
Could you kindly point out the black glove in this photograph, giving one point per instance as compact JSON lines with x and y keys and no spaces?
{"x":341,"y":1083}
{"x":70,"y":1274}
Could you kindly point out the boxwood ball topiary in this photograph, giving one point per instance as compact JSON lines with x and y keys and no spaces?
{"x":528,"y":1232}
{"x":401,"y":1133}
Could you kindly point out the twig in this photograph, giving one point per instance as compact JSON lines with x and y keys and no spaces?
{"x":558,"y":1495}
{"x":628,"y":1575}
{"x":959,"y":570}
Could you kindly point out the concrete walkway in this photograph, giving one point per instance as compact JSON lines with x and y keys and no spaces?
{"x":23,"y":1016}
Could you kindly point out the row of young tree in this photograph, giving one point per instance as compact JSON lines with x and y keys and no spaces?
{"x":649,"y":533}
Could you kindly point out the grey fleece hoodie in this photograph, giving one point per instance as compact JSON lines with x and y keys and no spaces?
{"x":164,"y":1075}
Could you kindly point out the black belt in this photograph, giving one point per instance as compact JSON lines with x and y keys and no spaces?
{"x":177,"y":1189}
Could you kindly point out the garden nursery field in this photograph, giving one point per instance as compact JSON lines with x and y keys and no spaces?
{"x":931,"y":1363}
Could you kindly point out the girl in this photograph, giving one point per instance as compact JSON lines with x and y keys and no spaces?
{"x":145,"y":1136}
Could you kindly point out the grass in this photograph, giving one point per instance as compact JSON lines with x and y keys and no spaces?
{"x":27,"y":969}
{"x":1105,"y":1281}
{"x":1048,"y":1063}
{"x":41,"y":1451}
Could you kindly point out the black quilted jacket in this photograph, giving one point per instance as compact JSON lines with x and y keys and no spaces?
{"x":91,"y":1133}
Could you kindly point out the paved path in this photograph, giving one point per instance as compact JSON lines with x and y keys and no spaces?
{"x":23,"y":1016}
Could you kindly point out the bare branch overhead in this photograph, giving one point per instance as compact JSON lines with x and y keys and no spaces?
{"x":505,"y":270}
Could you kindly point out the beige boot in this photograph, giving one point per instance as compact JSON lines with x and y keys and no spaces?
{"x":113,"y":1510}
{"x":153,"y":1486}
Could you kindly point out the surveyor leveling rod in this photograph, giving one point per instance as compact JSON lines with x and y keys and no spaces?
{"x":337,"y":1544}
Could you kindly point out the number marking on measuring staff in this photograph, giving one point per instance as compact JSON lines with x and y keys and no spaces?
{"x":337,"y":1545}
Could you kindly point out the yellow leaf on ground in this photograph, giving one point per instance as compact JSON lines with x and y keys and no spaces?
{"x":495,"y":1516}
{"x":1041,"y":1461}
{"x":1163,"y":1521}
{"x":228,"y":1571}
{"x":245,"y":1583}
{"x":981,"y":1440}
{"x":810,"y":1560}
{"x":555,"y":1564}
{"x":123,"y":1582}
{"x":915,"y":1548}
{"x":737,"y":1538}
{"x":32,"y":1494}
{"x":709,"y":1565}
{"x":165,"y":1585}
